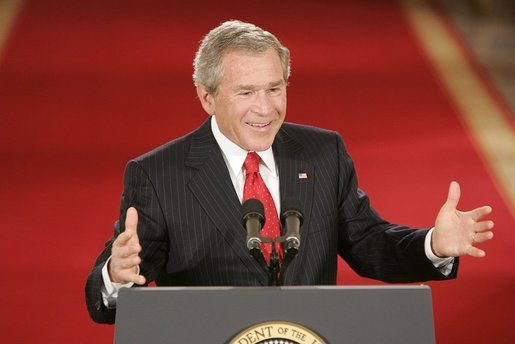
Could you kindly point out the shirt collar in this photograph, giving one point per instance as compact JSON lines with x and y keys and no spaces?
{"x":235,"y":155}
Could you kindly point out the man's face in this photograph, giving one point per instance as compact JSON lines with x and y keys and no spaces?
{"x":250,"y":103}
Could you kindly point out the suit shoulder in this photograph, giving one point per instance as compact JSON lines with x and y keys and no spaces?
{"x":170,"y":147}
{"x":295,"y":129}
{"x":314,"y":140}
{"x":177,"y":149}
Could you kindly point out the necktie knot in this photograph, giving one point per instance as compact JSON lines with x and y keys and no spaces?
{"x":251,"y":163}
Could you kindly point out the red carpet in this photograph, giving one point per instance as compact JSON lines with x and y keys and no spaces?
{"x":81,"y":81}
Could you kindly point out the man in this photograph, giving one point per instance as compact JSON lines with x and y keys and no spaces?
{"x":180,"y":211}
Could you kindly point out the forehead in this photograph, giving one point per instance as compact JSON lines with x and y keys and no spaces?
{"x":242,"y":65}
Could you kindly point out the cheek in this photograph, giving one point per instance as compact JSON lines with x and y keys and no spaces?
{"x":238,"y":110}
{"x":280,"y":105}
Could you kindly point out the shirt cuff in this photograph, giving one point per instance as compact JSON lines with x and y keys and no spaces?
{"x":444,"y":265}
{"x":110,"y":289}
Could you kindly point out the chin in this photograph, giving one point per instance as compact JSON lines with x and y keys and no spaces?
{"x":259,"y":147}
{"x":258,"y":143}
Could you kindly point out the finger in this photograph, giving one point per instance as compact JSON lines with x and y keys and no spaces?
{"x":483,"y":226}
{"x":476,"y":252}
{"x":126,"y":251}
{"x":131,"y":276}
{"x":479,"y":213}
{"x":125,"y":263}
{"x":131,"y":223}
{"x":453,"y":197}
{"x":126,"y":239}
{"x":482,"y":237}
{"x":122,"y":239}
{"x":139,"y":279}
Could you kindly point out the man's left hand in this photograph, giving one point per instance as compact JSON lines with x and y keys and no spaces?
{"x":457,"y":232}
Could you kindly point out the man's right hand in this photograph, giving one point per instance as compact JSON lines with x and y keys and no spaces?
{"x":123,"y":266}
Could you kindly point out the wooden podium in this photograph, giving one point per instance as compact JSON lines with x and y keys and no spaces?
{"x":267,"y":315}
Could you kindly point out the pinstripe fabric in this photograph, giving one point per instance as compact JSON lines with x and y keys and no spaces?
{"x":191,"y":232}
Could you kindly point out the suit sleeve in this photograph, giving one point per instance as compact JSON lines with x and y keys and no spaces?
{"x":139,"y":193}
{"x":373,"y":247}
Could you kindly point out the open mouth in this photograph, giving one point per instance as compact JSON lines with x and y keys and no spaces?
{"x":258,"y":125}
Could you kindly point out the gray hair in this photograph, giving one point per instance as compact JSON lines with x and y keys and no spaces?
{"x":228,"y":37}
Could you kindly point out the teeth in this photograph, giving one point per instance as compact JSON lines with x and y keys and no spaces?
{"x":258,"y":125}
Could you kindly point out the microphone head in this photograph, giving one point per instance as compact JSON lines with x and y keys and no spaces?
{"x":252,"y":208}
{"x":291,"y":207}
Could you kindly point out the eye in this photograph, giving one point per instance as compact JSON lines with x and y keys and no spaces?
{"x":245,"y":93}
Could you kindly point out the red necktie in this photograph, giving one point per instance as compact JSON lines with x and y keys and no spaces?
{"x":255,"y":188}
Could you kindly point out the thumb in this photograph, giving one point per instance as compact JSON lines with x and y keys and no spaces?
{"x":453,"y":196}
{"x":131,"y":222}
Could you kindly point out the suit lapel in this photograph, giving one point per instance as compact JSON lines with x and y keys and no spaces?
{"x":212,"y":187}
{"x":296,"y":177}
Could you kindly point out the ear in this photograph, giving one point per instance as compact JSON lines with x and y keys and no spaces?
{"x":206,"y":99}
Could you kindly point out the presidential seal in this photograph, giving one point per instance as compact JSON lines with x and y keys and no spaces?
{"x":277,"y":332}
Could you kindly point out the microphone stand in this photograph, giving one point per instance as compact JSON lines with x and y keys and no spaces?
{"x":289,"y":254}
{"x":275,"y":269}
{"x":258,"y":256}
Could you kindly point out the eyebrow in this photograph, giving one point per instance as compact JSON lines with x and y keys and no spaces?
{"x":253,"y":87}
{"x":276,"y":83}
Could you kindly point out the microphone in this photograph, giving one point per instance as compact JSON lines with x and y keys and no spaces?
{"x":253,"y":219}
{"x":291,"y":219}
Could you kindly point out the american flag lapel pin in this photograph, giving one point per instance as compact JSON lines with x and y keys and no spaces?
{"x":303,"y":175}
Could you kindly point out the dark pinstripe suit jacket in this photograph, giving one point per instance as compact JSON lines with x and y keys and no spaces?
{"x":191,"y":232}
